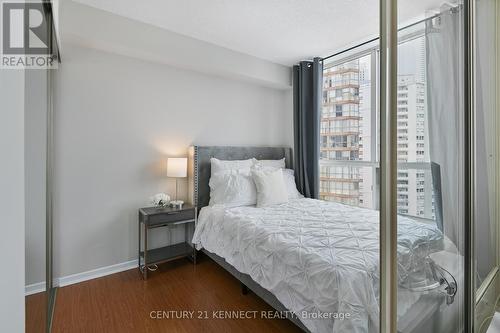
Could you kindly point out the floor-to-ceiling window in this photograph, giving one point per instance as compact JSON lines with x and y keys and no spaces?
{"x":350,"y":131}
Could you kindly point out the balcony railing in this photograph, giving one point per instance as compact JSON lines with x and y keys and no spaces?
{"x":342,"y":102}
{"x":341,"y":179}
{"x":333,"y":133}
{"x":340,"y":195}
{"x":338,"y":71}
{"x":333,"y":116}
{"x":341,"y":85}
{"x":340,"y":148}
{"x":357,"y":163}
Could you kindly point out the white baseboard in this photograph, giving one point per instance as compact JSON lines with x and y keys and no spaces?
{"x":96,"y":273}
{"x":35,"y":288}
{"x":83,"y":276}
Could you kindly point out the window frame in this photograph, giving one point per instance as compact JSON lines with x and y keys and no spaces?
{"x":373,"y":50}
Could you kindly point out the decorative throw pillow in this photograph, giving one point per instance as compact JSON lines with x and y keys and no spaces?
{"x":289,"y":178}
{"x":232,"y":188}
{"x":291,"y":186}
{"x":271,"y":188}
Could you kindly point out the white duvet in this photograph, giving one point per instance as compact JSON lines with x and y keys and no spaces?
{"x":316,"y":257}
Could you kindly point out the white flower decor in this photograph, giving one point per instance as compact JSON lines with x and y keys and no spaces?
{"x":160,"y":199}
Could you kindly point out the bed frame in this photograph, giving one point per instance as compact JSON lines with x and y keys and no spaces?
{"x":199,"y":194}
{"x":199,"y":171}
{"x":199,"y":165}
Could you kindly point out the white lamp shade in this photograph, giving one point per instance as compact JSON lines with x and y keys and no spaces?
{"x":177,"y":167}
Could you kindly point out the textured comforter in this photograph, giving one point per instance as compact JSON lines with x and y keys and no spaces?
{"x":316,"y":257}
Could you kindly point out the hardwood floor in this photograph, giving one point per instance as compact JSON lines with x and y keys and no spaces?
{"x":123,"y":302}
{"x":36,"y":313}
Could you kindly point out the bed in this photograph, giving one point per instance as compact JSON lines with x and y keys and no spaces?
{"x":313,"y":260}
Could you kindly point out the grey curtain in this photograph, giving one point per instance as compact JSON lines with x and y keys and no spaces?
{"x":445,"y":68}
{"x":307,"y":102}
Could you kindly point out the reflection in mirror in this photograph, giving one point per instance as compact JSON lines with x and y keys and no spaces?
{"x":487,"y":279}
{"x":430,"y":179}
{"x":486,"y":136}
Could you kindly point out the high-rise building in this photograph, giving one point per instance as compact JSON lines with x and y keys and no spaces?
{"x":413,"y":147}
{"x":340,"y":132}
{"x":367,"y":134}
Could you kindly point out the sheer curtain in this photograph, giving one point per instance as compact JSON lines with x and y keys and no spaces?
{"x":445,"y":107}
{"x":444,"y":69}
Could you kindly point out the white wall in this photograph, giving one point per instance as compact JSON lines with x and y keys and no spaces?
{"x":12,"y":200}
{"x":117,"y":34}
{"x":117,"y":119}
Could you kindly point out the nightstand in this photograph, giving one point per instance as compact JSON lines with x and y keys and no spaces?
{"x":155,"y":217}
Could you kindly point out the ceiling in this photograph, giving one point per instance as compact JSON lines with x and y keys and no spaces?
{"x":281,"y":31}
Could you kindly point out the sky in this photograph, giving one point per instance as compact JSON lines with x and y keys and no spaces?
{"x":411,"y":58}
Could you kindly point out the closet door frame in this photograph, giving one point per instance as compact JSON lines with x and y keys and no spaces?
{"x":388,"y":165}
{"x":469,"y":167}
{"x":51,"y":288}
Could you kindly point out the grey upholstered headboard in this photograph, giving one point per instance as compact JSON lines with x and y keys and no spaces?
{"x":199,"y":165}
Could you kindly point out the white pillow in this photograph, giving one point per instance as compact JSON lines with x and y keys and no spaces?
{"x":280,"y":164}
{"x":291,"y":186}
{"x":271,"y":188}
{"x":289,"y":177}
{"x":232,"y":188}
{"x":222,"y":165}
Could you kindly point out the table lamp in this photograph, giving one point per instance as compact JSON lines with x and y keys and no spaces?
{"x":177,"y":168}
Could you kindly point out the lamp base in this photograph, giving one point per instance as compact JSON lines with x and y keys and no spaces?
{"x":177,"y":203}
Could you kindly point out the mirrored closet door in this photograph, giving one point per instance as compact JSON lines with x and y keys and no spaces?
{"x":486,"y":234}
{"x":36,"y":106}
{"x":39,"y":279}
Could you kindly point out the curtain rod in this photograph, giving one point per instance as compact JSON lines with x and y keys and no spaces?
{"x":376,"y":38}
